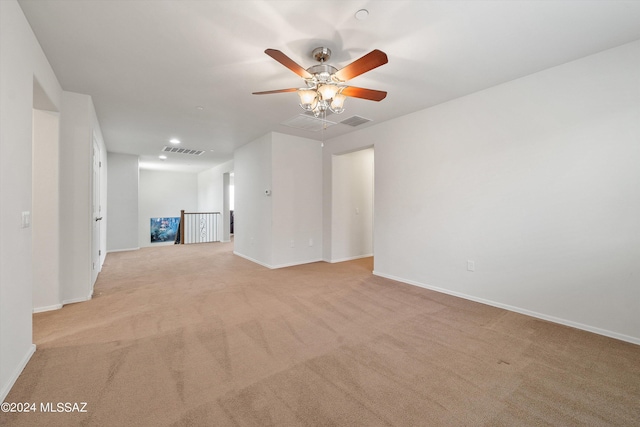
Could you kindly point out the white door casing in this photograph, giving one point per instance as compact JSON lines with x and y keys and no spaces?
{"x":96,"y":216}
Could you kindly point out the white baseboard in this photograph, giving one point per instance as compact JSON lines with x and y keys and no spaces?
{"x":565,"y":322}
{"x":75,"y":300}
{"x":293,"y":264}
{"x":351,"y":258}
{"x":6,"y":388}
{"x":251,"y":259}
{"x":47,"y":308}
{"x":122,"y":250}
{"x":273,"y":267}
{"x":156,"y":244}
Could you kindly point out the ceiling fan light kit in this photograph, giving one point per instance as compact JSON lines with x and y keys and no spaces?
{"x":326,"y":89}
{"x":323,"y":88}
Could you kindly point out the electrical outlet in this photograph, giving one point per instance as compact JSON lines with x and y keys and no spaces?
{"x":310,"y":242}
{"x":471,"y":265}
{"x":293,"y":244}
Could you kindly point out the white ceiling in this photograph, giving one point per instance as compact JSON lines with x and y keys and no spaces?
{"x":149,"y":64}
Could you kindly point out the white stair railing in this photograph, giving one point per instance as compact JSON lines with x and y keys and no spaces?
{"x":199,"y":227}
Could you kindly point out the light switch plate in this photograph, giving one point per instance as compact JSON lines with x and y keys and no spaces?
{"x":26,"y":219}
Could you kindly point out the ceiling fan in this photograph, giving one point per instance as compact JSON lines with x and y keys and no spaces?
{"x":326,"y":88}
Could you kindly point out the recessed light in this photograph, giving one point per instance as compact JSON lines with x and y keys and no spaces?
{"x":174,"y":141}
{"x":362,"y":14}
{"x":200,"y":107}
{"x":162,"y":157}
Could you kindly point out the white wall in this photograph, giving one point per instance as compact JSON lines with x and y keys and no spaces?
{"x":75,"y":226}
{"x":352,"y":205}
{"x":296,"y":200}
{"x":253,"y":209}
{"x":285,"y":227}
{"x":211,"y":193}
{"x":122,"y":194}
{"x":46,"y":211}
{"x":21,"y":60}
{"x":78,"y":126}
{"x":210,"y":187}
{"x":535,"y":180}
{"x":164,"y":194}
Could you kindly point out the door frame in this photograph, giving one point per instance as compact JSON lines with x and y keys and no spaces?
{"x":96,"y":215}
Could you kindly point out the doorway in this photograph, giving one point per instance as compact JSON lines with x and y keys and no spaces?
{"x":45,"y":203}
{"x":227,"y":206}
{"x":352,"y":213}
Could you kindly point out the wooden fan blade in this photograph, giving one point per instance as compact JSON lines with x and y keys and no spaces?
{"x":371,"y":60}
{"x":267,"y":92}
{"x":288,"y":62}
{"x":370,"y":94}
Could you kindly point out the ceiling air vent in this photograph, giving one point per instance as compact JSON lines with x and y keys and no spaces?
{"x":310,"y":123}
{"x":182,"y":151}
{"x":355,"y":121}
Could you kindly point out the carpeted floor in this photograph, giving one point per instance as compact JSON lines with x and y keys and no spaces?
{"x":195,"y":336}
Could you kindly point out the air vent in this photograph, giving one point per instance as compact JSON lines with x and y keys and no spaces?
{"x":310,"y":123}
{"x":182,"y":151}
{"x":355,"y":121}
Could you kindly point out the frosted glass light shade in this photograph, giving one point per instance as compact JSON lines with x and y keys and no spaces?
{"x":337,"y":104}
{"x":328,"y":91}
{"x":308,"y":98}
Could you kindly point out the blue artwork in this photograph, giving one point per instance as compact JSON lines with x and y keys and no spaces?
{"x":164,"y":229}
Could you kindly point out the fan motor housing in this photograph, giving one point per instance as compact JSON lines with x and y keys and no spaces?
{"x":322,"y":68}
{"x":322,"y":72}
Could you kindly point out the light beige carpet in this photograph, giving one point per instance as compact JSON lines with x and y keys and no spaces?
{"x":193,"y":335}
